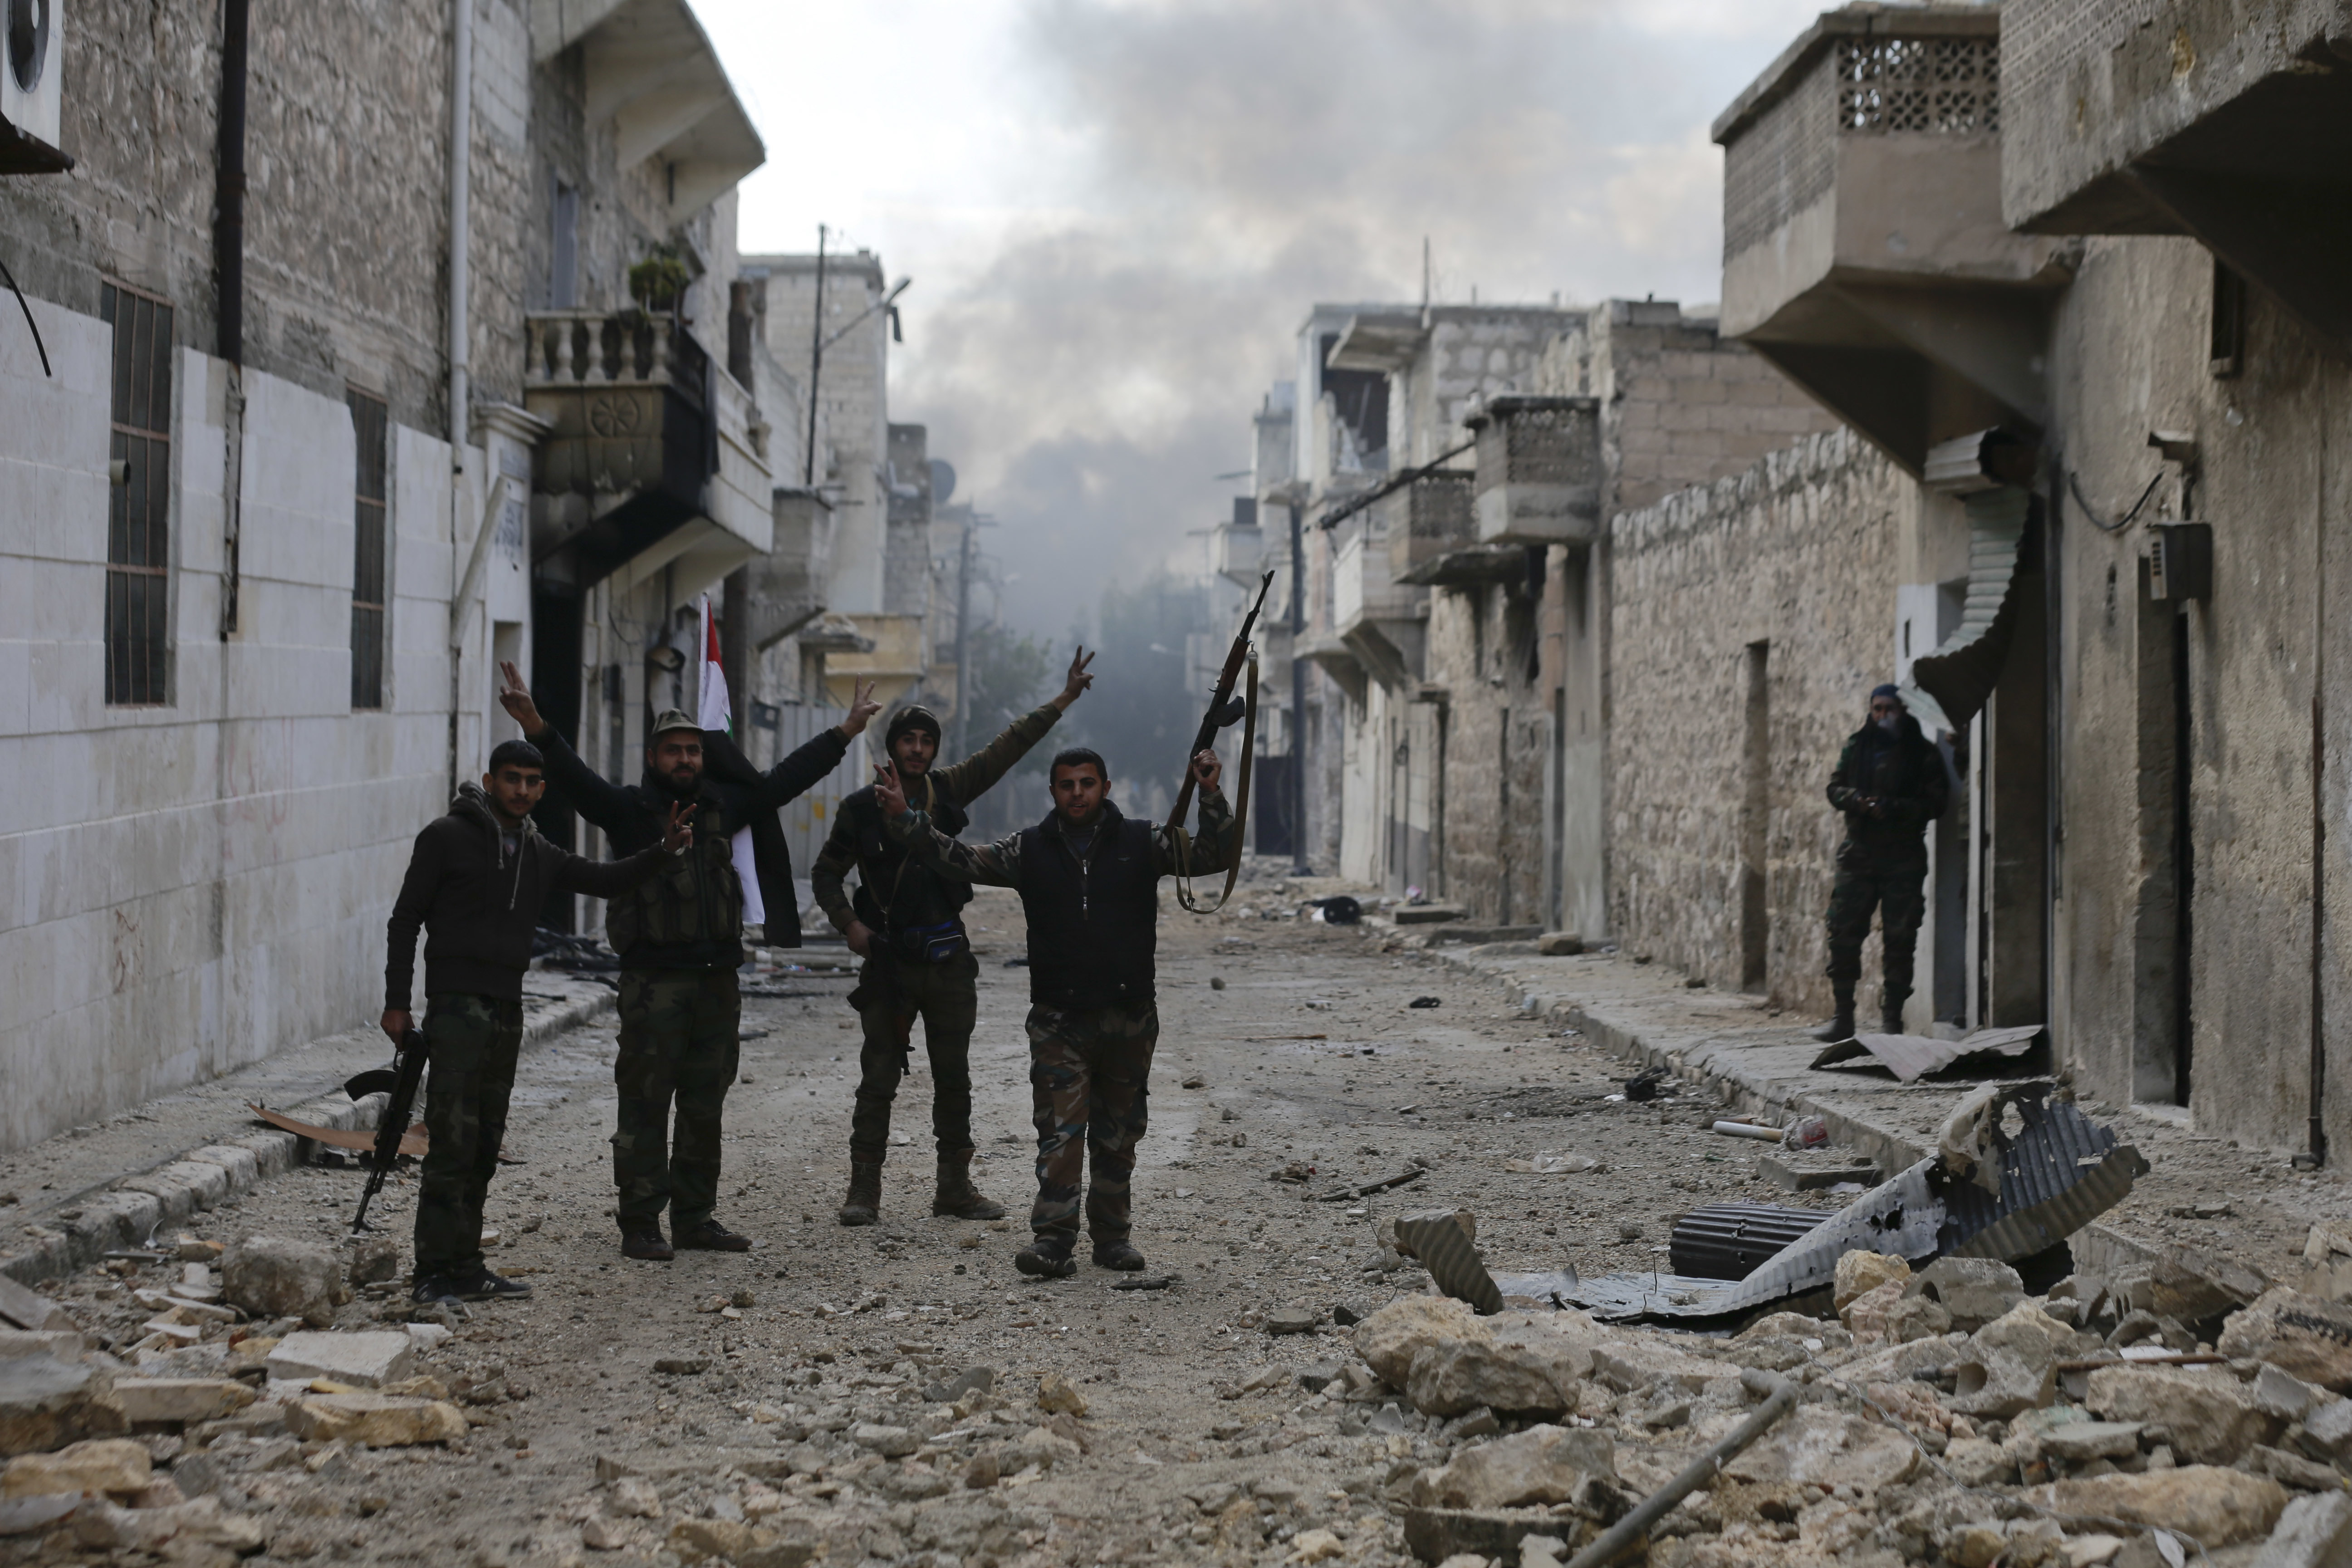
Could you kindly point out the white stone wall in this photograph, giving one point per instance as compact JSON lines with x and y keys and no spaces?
{"x":189,"y":887}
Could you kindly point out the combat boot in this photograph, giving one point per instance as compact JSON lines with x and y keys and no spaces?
{"x":1890,"y":1015}
{"x":863,"y":1204}
{"x":1840,"y":1027}
{"x":956,"y":1197}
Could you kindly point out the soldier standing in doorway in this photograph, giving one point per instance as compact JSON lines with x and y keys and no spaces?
{"x":1089,"y":885}
{"x":1890,"y":782}
{"x":475,"y":881}
{"x":681,"y":939}
{"x":906,"y":923}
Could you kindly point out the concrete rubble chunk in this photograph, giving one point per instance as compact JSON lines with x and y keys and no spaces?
{"x":1042,"y":1448}
{"x":1388,"y":1339}
{"x":101,"y":1526}
{"x":2211,"y":1416}
{"x":368,"y":1359}
{"x":185,"y":1400}
{"x":93,"y":1468}
{"x":2219,"y":1507}
{"x":1974,"y":1290}
{"x":1917,"y":1318}
{"x":1544,"y":1464}
{"x":2327,"y":1430}
{"x":48,"y":1401}
{"x":1453,"y":1379}
{"x":2190,"y":1286}
{"x":1558,"y":944}
{"x":24,"y":1309}
{"x":2301,"y":1335}
{"x":2315,"y":1531}
{"x":1291,"y":1320}
{"x":2285,"y":1396}
{"x":1630,"y":1361}
{"x":890,"y":1442}
{"x":272,"y":1276}
{"x":374,"y":1260}
{"x":1979,"y":1463}
{"x":1462,"y":1536}
{"x":375,"y":1420}
{"x":1866,"y":1316}
{"x":1820,"y":1445}
{"x":1858,"y":1273}
{"x":970,"y":1380}
{"x":2011,"y":1365}
{"x":1057,"y":1395}
{"x":633,"y":1496}
{"x":2080,"y":1442}
{"x":2291,"y":1470}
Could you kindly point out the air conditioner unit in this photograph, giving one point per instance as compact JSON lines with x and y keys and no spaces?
{"x":32,"y":87}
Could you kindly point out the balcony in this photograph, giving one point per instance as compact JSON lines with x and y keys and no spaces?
{"x":1865,"y":250}
{"x":2228,"y":124}
{"x":788,"y":585}
{"x":1237,"y":552}
{"x":656,"y":456}
{"x":1378,"y":619}
{"x":1538,"y":473}
{"x":1424,"y":519}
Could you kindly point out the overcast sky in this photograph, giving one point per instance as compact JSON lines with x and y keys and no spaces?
{"x":1116,"y":213}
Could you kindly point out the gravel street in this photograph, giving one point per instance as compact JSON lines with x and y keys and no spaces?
{"x":1292,"y":1064}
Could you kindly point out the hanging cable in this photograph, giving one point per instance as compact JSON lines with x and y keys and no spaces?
{"x":2091,"y":515}
{"x":39,"y":347}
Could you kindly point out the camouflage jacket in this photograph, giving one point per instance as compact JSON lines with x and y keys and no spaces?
{"x":1906,"y":775}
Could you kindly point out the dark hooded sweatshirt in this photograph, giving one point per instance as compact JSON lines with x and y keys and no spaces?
{"x":479,"y":900}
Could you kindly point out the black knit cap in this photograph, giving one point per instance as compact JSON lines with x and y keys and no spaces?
{"x":914,"y":716}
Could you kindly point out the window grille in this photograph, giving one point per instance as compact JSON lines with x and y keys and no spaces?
{"x":368,"y":423}
{"x":1943,"y":87}
{"x":139,"y":507}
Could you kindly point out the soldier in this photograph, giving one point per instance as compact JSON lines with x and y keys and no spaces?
{"x":1891,"y":782}
{"x":1089,"y":885}
{"x":475,"y":881}
{"x":680,"y":938}
{"x":904,"y":922}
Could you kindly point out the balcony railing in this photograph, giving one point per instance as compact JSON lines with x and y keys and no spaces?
{"x":1426,"y":518}
{"x":1539,"y":470}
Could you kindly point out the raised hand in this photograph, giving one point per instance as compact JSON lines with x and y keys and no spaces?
{"x":887,"y":791}
{"x":1207,"y":769}
{"x":862,"y":707}
{"x":1075,"y":684}
{"x":678,"y":833}
{"x":516,"y":700}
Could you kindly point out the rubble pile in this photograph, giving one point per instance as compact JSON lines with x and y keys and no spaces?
{"x":1943,"y":1416}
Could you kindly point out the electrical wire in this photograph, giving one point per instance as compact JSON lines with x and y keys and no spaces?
{"x":39,"y":347}
{"x":2091,"y":515}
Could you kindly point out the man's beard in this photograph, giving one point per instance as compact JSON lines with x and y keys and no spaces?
{"x":684,"y":785}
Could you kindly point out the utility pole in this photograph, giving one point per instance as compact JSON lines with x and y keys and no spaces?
{"x":1299,"y":867}
{"x":817,"y":360}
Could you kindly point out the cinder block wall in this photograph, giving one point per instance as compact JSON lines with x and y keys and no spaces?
{"x":1800,"y":553}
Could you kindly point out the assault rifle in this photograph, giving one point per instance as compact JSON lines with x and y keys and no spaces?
{"x":398,"y":1083}
{"x":1225,"y":706}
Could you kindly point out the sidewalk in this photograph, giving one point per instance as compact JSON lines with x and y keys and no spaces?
{"x":110,"y":1185}
{"x":1757,"y":1060}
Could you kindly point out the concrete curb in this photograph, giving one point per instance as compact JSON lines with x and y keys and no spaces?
{"x":131,"y":1208}
{"x":2095,"y":1247}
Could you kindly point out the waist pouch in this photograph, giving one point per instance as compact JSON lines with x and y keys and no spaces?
{"x":933,"y":944}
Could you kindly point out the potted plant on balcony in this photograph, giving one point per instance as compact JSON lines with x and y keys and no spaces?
{"x":659,"y":282}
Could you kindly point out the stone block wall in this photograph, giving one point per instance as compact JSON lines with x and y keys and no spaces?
{"x":1800,"y":553}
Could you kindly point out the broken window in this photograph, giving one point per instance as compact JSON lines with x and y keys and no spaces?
{"x":138,"y":530}
{"x":2229,"y":349}
{"x":1359,"y":415}
{"x":370,"y":419}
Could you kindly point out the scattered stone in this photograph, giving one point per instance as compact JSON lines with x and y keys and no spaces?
{"x":633,"y":1496}
{"x":1346,"y":1316}
{"x":2211,"y":1416}
{"x":2011,"y":1365}
{"x":92,"y":1469}
{"x":983,"y":1472}
{"x":890,"y":1442}
{"x":2288,"y":1398}
{"x":185,"y":1400}
{"x":1558,"y":944}
{"x":100,"y":1526}
{"x":2292,"y":1470}
{"x":1820,"y":1444}
{"x":1480,"y":1423}
{"x":29,"y":1309}
{"x":272,"y":1276}
{"x":1866,"y":1316}
{"x":1291,"y":1320}
{"x":2314,"y":1532}
{"x":1391,"y":1337}
{"x":1859,"y":1273}
{"x":970,"y":1380}
{"x":1977,"y":1463}
{"x":1315,"y":1546}
{"x":2080,"y":1442}
{"x":1974,"y":1290}
{"x":2219,"y":1507}
{"x":2301,"y":1335}
{"x":602,"y":1534}
{"x":1042,"y":1448}
{"x":2327,"y":1431}
{"x":1454,"y":1378}
{"x":375,"y":1420}
{"x":2191,"y":1286}
{"x":1544,"y":1464}
{"x":1317,"y":1376}
{"x":48,"y":1401}
{"x":374,"y":1260}
{"x":682,"y":1365}
{"x":1474,"y":1537}
{"x":367,"y":1359}
{"x":1631,"y":1362}
{"x":1917,"y":1318}
{"x":1057,"y":1395}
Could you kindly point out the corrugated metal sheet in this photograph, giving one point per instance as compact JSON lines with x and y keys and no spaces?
{"x":1911,"y":1057}
{"x":1731,"y":1241}
{"x":1962,"y":671}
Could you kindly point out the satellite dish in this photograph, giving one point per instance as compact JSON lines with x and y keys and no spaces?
{"x":942,"y":481}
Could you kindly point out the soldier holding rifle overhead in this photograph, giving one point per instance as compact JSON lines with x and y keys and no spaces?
{"x":1089,"y":884}
{"x":475,"y":881}
{"x":906,"y":921}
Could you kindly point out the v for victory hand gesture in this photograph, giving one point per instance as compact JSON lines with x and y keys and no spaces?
{"x":1075,"y":684}
{"x":862,"y":707}
{"x":516,"y":700}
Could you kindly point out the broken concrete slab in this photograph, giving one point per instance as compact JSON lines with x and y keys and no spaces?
{"x":2302,"y":1335}
{"x":364,"y":1360}
{"x":2219,"y":1507}
{"x":1800,"y":1173}
{"x":272,"y":1276}
{"x":1912,"y":1056}
{"x":94,"y":1468}
{"x":24,"y":1309}
{"x":1974,"y":1290}
{"x":182,"y":1400}
{"x":1820,"y":1445}
{"x":1456,"y":1377}
{"x":1390,"y":1338}
{"x":2080,"y":1442}
{"x":1543,"y":1464}
{"x":48,"y":1401}
{"x":375,"y":1420}
{"x":2212,"y":1417}
{"x":2314,"y":1532}
{"x":1494,"y":1535}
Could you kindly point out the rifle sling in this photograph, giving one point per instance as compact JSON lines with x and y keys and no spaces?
{"x":1183,"y":841}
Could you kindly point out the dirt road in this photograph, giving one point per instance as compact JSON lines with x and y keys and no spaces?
{"x":1291,"y":1064}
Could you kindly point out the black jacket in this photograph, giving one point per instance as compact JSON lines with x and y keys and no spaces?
{"x":630,"y":816}
{"x":478,"y":904}
{"x":1906,"y":774}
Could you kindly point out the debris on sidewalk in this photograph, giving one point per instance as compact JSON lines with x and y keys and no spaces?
{"x":1912,"y":1056}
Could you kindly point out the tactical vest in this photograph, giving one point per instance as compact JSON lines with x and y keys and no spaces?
{"x":1094,"y":926}
{"x":691,"y":910}
{"x":894,"y":894}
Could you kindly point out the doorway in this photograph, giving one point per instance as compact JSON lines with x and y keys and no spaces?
{"x":1755,"y":821}
{"x":2162,"y":1021}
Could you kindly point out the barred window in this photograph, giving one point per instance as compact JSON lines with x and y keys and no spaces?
{"x":139,"y":508}
{"x":369,"y":420}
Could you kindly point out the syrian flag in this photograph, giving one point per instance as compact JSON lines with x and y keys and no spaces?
{"x":715,"y":711}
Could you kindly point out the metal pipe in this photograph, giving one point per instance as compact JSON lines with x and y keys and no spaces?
{"x":228,"y":285}
{"x":1779,"y":1397}
{"x":816,"y":362}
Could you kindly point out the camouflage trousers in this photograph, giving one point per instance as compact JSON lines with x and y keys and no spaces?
{"x":1898,"y":892}
{"x":679,"y":1043}
{"x":471,"y":1043}
{"x":946,"y":996}
{"x":1089,"y":1079}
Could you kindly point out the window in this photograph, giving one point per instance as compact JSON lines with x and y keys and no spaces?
{"x":564,"y":272}
{"x":139,"y":510}
{"x":2228,"y":356}
{"x":368,"y":423}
